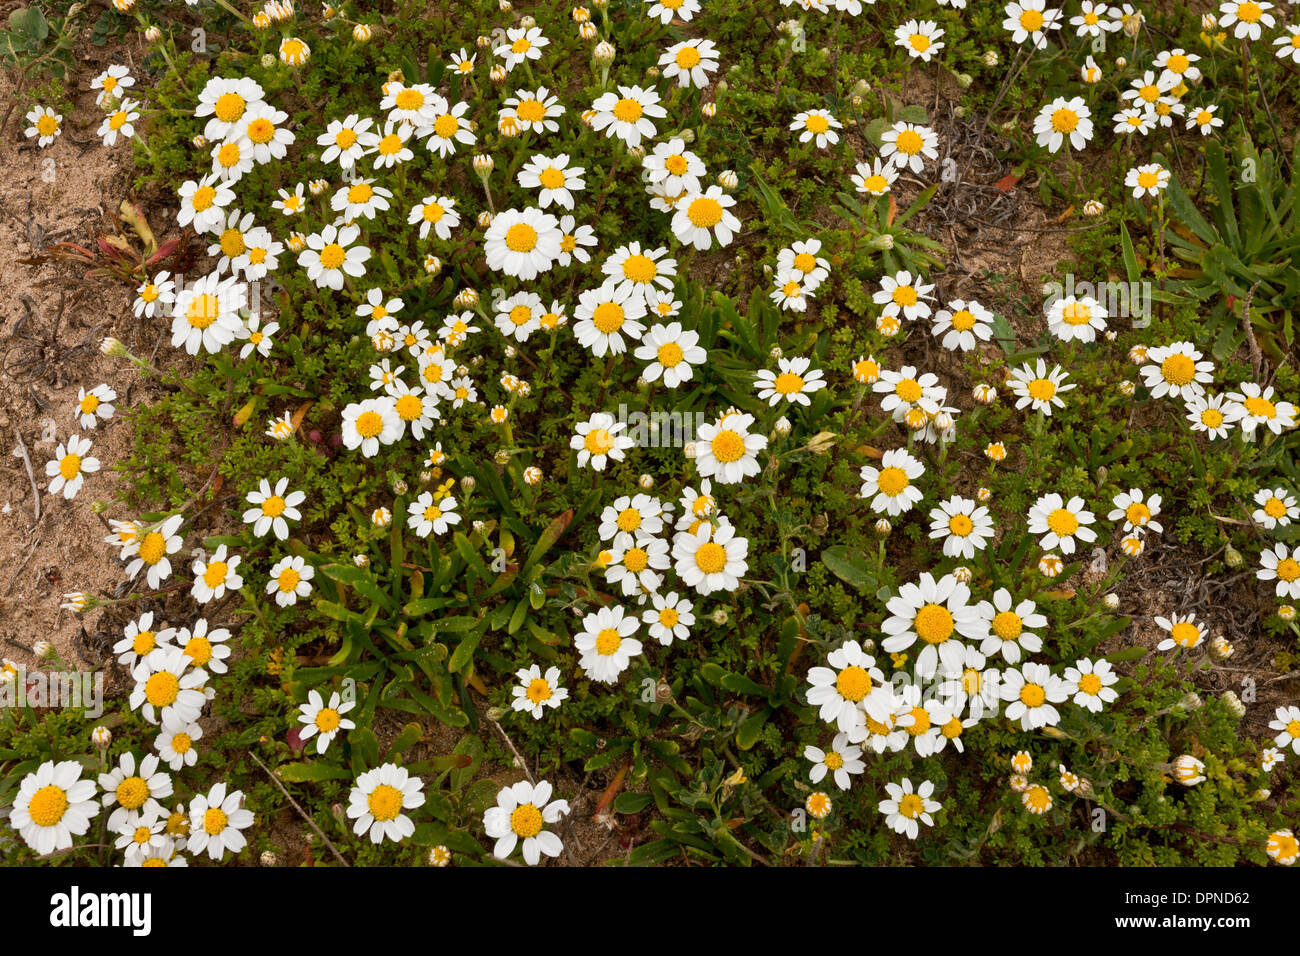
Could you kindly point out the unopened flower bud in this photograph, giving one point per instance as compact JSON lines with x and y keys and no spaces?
{"x":782,"y":426}
{"x":883,"y":527}
{"x":101,"y":737}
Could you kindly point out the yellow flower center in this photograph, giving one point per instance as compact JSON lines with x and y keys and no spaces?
{"x":608,"y":317}
{"x":526,"y":821}
{"x":132,"y":793}
{"x":153,"y":547}
{"x":144,"y":642}
{"x":1065,"y":120}
{"x":788,"y":383}
{"x":669,"y":617}
{"x":677,"y":164}
{"x":920,"y":721}
{"x":1007,"y":625}
{"x":608,"y":642}
{"x":347,"y":138}
{"x":933,"y":624}
{"x":909,"y":142}
{"x":599,"y":441}
{"x":288,"y":580}
{"x":1185,"y":634}
{"x":1041,"y":389}
{"x":1032,"y":695}
{"x":162,"y":689}
{"x":960,"y":525}
{"x":1137,"y":514}
{"x":117,"y":120}
{"x":629,"y":519}
{"x":70,"y":466}
{"x":919,"y":42}
{"x":1076,"y":313}
{"x":853,"y":683}
{"x":1249,"y":12}
{"x":522,"y":45}
{"x":964,"y":320}
{"x":538,"y":691}
{"x":892,"y":481}
{"x":369,"y":424}
{"x":627,"y":110}
{"x":385,"y":802}
{"x":333,"y":256}
{"x":728,"y":446}
{"x":229,"y":107}
{"x":904,"y":295}
{"x":446,"y":126}
{"x":1090,"y":684}
{"x":1031,"y":20}
{"x":816,"y":123}
{"x":1063,"y":522}
{"x":327,"y":720}
{"x":531,"y":111}
{"x":203,"y":198}
{"x":47,"y":806}
{"x":636,"y":560}
{"x":1147,"y":180}
{"x":261,"y":130}
{"x":228,"y":155}
{"x":521,"y":237}
{"x":711,"y":557}
{"x":1260,"y":407}
{"x":1275,"y":508}
{"x":909,"y":390}
{"x":215,"y":573}
{"x":1288,"y":569}
{"x":704,"y":212}
{"x":670,"y":355}
{"x":1178,"y":369}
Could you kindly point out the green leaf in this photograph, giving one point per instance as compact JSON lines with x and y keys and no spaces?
{"x":631,"y":802}
{"x":850,"y":569}
{"x":311,"y":772}
{"x":408,"y":737}
{"x":747,"y":733}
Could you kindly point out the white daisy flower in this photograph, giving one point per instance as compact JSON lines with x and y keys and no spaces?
{"x":1061,"y":522}
{"x":71,"y":463}
{"x":670,"y":618}
{"x":273,"y":509}
{"x":534,"y":693}
{"x":892,"y":484}
{"x":216,"y":819}
{"x":1009,"y":626}
{"x":727,"y":451}
{"x":606,"y":644}
{"x":290,"y":579}
{"x":937,"y":614}
{"x":521,"y":813}
{"x":322,"y":720}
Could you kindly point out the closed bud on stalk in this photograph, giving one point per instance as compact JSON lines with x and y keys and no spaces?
{"x":720,"y":616}
{"x":268,"y":858}
{"x":1221,"y":648}
{"x":1232,"y":557}
{"x":646,"y":482}
{"x":782,"y":426}
{"x":43,"y":649}
{"x":497,"y":74}
{"x":964,"y":80}
{"x":709,"y":110}
{"x":1234,"y":704}
{"x":1286,"y":613}
{"x":152,"y":34}
{"x":990,"y":58}
{"x":101,"y":737}
{"x":603,"y":53}
{"x":527,"y":22}
{"x":1190,"y":701}
{"x":587,"y":30}
{"x":728,"y":179}
{"x":467,"y":483}
{"x":883,"y":527}
{"x":1093,"y":208}
{"x":361,"y":560}
{"x":502,"y":457}
{"x":1121,"y":62}
{"x":484,"y":219}
{"x":1111,"y":601}
{"x":962,"y":574}
{"x":653,"y":72}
